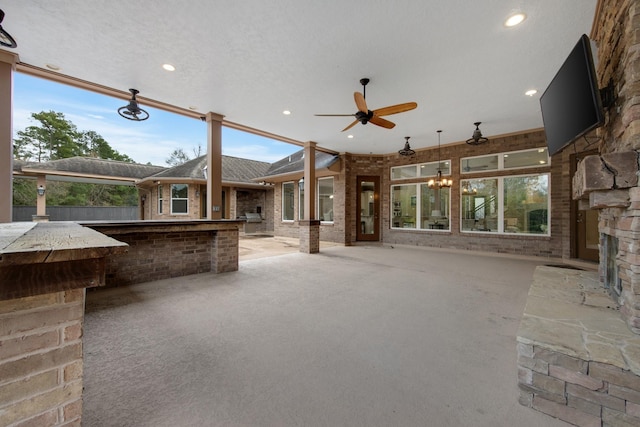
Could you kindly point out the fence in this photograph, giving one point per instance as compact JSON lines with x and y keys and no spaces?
{"x":78,"y":213}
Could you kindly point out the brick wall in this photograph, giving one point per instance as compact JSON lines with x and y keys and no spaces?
{"x":543,"y":246}
{"x":157,"y":253}
{"x":41,"y":359}
{"x":583,"y":393}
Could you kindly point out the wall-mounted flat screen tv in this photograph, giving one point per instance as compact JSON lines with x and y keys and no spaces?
{"x":571,"y":104}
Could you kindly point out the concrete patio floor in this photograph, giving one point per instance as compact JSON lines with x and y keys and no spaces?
{"x":352,"y":336}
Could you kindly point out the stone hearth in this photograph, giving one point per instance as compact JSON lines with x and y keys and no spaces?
{"x":577,"y":358}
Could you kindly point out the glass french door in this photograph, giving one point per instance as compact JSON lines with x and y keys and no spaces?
{"x":368,"y":208}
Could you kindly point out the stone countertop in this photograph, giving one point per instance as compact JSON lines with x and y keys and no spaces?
{"x":568,"y":311}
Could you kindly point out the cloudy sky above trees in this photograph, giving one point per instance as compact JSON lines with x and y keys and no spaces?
{"x":151,"y":141}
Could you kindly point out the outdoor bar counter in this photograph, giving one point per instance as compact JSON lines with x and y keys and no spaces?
{"x":161,"y":249}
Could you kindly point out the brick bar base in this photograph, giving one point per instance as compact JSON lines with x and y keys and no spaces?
{"x":310,"y":236}
{"x":41,"y":359}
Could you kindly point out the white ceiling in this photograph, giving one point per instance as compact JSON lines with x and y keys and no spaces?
{"x":251,"y":59}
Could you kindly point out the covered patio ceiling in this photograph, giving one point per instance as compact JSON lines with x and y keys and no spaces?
{"x":251,"y":60}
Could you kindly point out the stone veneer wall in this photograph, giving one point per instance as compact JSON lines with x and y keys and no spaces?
{"x":617,"y":35}
{"x":41,"y":359}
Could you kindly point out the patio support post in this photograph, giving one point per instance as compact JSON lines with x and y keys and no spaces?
{"x":214,"y":166}
{"x":309,"y":226}
{"x":41,"y":201}
{"x":8,"y":62}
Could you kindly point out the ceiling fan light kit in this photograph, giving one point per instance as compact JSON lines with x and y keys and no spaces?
{"x":364,"y":115}
{"x":477,"y":137}
{"x":132,"y":111}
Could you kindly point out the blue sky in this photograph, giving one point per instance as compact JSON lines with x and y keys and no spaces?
{"x":151,"y":141}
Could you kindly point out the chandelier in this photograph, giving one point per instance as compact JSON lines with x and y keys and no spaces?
{"x":468,"y":189}
{"x":439,"y":182}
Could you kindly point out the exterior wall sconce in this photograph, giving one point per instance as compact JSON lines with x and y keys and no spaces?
{"x":143,"y":198}
{"x":41,"y":190}
{"x":301,"y":183}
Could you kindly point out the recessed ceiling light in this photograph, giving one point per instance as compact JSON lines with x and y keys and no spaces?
{"x":168,"y":67}
{"x":193,"y":107}
{"x":531,"y":92}
{"x":350,"y":136}
{"x":286,"y":112}
{"x":542,"y":162}
{"x":515,"y":19}
{"x":541,"y":150}
{"x":53,"y":67}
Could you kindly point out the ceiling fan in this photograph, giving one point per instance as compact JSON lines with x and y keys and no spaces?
{"x":364,"y":115}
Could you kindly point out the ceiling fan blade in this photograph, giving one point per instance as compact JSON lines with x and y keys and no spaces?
{"x":395,"y":109}
{"x":360,"y":102}
{"x":351,"y":125}
{"x":334,"y":115}
{"x":381,"y":122}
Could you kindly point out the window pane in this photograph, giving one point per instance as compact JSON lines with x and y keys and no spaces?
{"x":179,"y":191}
{"x":325,"y":199}
{"x":178,"y":206}
{"x":431,"y":169}
{"x":526,"y":204}
{"x":159,"y":199}
{"x":480,"y":210}
{"x":301,"y":200}
{"x":479,"y":164}
{"x":523,"y":159}
{"x":404,"y":204}
{"x":403,"y":172}
{"x":287,"y":201}
{"x":434,"y":208}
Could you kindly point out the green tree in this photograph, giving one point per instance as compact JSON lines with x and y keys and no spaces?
{"x":54,"y":137}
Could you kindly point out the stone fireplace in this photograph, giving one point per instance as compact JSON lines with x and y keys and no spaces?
{"x":579,"y":339}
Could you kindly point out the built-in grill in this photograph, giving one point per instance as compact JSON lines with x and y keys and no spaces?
{"x":252,"y":221}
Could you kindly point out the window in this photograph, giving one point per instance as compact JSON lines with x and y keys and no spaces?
{"x":511,"y":160}
{"x":421,"y":170}
{"x":179,"y":199}
{"x":301,"y":199}
{"x":325,"y":199}
{"x":287,"y":201}
{"x":160,"y":199}
{"x":512,"y":204}
{"x":417,"y":206}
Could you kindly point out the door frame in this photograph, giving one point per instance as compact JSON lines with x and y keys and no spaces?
{"x":375,"y":236}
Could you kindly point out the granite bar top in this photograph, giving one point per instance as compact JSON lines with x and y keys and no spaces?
{"x":568,"y":311}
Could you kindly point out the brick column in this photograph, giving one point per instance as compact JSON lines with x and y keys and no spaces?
{"x":42,"y":300}
{"x":309,"y":236}
{"x":225,"y":251}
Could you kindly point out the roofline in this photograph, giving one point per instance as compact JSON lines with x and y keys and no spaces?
{"x":30,"y":171}
{"x":169,"y":180}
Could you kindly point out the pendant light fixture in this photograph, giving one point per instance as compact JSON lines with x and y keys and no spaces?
{"x":477,"y":137}
{"x":132,"y":111}
{"x":5,"y":38}
{"x":406,"y":151}
{"x":439,"y":182}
